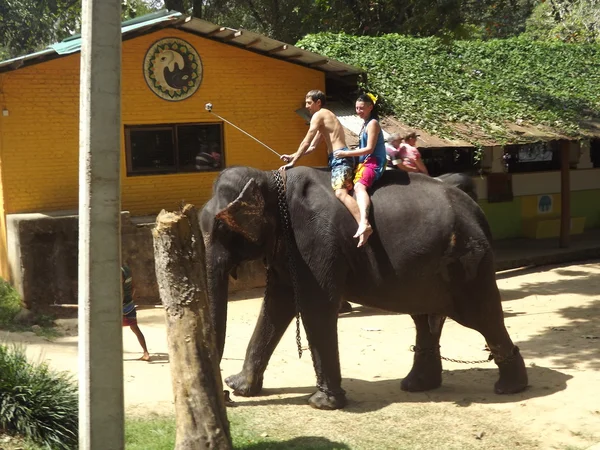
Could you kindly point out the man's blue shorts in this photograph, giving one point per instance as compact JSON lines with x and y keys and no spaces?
{"x":342,"y":172}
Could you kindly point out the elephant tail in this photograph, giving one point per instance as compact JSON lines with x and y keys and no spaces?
{"x":462,"y":181}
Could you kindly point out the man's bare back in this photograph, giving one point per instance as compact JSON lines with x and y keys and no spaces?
{"x":330,"y":129}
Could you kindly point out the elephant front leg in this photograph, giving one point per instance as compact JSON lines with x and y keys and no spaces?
{"x":276,"y":313}
{"x":426,"y":372}
{"x":320,"y":323}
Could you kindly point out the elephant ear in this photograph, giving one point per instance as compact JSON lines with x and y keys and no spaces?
{"x":245,"y":215}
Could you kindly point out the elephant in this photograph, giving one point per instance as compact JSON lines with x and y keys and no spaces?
{"x":430,"y":256}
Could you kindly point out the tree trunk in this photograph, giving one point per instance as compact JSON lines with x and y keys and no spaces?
{"x":197,"y":8}
{"x":175,"y":5}
{"x":180,"y":271}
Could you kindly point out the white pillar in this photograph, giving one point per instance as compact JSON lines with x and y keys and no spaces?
{"x":585,"y":159}
{"x":497,"y":159}
{"x":101,"y":409}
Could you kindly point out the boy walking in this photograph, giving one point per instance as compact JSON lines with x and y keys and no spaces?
{"x":129,"y":312}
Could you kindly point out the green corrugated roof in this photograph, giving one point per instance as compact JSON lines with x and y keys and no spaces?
{"x":72,"y":44}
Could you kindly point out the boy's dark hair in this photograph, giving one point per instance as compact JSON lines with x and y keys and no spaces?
{"x":315,"y":95}
{"x":366,"y":98}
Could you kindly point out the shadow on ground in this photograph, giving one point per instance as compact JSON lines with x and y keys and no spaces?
{"x":572,"y":344}
{"x":578,"y":283}
{"x":304,"y":442}
{"x":460,"y":387}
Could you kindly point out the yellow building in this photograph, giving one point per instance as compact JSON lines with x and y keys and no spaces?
{"x":172,"y":147}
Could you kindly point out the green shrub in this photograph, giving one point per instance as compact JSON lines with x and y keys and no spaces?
{"x":10,"y":303}
{"x":434,"y":85}
{"x":36,"y":402}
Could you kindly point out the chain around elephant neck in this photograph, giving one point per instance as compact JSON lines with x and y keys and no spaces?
{"x":286,"y":224}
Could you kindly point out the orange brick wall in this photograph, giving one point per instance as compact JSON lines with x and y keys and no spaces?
{"x":39,"y":142}
{"x":40,"y":135}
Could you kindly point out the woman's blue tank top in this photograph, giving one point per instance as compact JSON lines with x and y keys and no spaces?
{"x":379,"y":153}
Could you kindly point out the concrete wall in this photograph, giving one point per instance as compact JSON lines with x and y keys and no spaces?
{"x":509,"y":219}
{"x":43,"y":254}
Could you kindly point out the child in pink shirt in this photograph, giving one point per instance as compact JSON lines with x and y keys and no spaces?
{"x":409,"y":157}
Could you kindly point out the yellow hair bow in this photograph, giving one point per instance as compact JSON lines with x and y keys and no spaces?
{"x":372,"y":97}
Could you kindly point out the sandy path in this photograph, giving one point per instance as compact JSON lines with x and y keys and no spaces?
{"x":553,"y":314}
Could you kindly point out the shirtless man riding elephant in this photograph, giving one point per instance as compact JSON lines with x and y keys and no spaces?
{"x":325,"y":125}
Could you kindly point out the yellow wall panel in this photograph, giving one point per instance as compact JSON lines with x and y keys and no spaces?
{"x":40,"y":136}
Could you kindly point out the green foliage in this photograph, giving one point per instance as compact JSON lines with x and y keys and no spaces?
{"x":10,"y":303}
{"x":566,"y":21}
{"x":27,"y":26}
{"x":288,"y":20}
{"x":37,"y":402}
{"x":435,"y":85}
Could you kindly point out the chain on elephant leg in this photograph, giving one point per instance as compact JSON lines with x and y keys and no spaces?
{"x":326,"y":398}
{"x":513,"y":374}
{"x":426,"y":372}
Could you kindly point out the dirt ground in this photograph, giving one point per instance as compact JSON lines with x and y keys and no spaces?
{"x":552,"y":313}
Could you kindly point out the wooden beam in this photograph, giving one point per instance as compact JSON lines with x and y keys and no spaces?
{"x":319,"y":63}
{"x":277,"y":49}
{"x":237,"y":34}
{"x":252,"y":43}
{"x":295,"y":56}
{"x":216,"y":31}
{"x":565,"y":194}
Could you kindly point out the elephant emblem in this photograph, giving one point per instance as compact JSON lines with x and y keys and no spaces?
{"x":173,"y":69}
{"x":430,"y":256}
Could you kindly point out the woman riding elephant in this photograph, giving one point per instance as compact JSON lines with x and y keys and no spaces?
{"x":440,"y":265}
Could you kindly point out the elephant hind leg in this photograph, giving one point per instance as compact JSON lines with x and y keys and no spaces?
{"x":487,"y":318}
{"x":426,"y":372}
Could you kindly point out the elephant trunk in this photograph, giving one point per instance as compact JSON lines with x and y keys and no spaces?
{"x":218,"y":293}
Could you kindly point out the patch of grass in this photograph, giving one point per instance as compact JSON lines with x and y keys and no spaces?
{"x":158,"y":433}
{"x":10,"y":303}
{"x":36,"y":402}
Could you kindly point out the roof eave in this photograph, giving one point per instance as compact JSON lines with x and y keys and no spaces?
{"x":245,"y":39}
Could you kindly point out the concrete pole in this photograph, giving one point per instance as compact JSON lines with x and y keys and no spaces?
{"x":101,"y":407}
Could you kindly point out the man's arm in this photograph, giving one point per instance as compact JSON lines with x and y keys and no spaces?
{"x":314,"y":143}
{"x":373,"y":130}
{"x":315,"y":124}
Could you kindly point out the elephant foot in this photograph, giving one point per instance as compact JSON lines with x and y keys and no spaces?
{"x":328,"y":400}
{"x":426,"y":373}
{"x":513,"y":375}
{"x":243,"y":386}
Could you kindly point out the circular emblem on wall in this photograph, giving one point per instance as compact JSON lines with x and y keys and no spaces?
{"x":173,"y":69}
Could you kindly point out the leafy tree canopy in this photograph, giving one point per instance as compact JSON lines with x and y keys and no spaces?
{"x":568,"y":21}
{"x":435,"y":85}
{"x":30,"y":25}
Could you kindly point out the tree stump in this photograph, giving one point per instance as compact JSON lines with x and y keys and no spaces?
{"x":198,"y":389}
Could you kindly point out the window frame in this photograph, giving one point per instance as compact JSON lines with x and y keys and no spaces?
{"x":173,"y":127}
{"x":514,"y":166}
